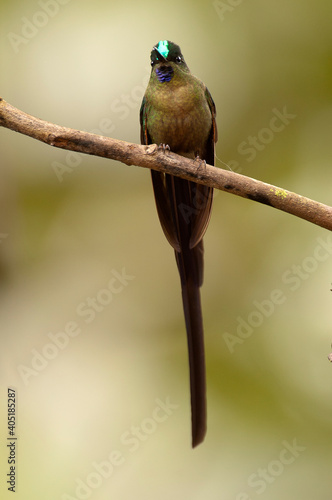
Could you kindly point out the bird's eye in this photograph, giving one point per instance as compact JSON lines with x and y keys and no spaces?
{"x":153,"y":63}
{"x":178,"y":59}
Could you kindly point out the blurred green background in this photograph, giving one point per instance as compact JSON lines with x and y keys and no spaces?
{"x":85,"y":65}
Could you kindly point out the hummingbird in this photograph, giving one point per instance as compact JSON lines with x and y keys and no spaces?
{"x":178,"y":113}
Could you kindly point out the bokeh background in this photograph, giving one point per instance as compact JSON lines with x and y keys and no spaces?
{"x":85,"y":65}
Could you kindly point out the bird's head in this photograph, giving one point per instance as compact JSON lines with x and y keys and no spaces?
{"x":167,"y":60}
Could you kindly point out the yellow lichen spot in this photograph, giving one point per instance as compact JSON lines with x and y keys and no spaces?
{"x":279,"y":192}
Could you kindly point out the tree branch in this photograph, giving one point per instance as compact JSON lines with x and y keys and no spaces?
{"x":153,"y":158}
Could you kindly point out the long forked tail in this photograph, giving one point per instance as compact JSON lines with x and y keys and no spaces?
{"x":184,"y":210}
{"x":195,"y":336}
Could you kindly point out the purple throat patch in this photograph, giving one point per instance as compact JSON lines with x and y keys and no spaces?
{"x":164,"y":73}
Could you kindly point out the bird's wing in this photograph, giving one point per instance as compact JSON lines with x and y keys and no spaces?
{"x":159,"y":189}
{"x":202,"y":195}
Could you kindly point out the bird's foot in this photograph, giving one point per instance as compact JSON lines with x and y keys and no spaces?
{"x":153,"y":148}
{"x":164,"y":147}
{"x":201,"y":163}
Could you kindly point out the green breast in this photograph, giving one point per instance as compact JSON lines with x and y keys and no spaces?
{"x":178,"y":115}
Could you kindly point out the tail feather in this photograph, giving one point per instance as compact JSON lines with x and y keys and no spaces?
{"x":183,"y":221}
{"x":194,"y":326}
